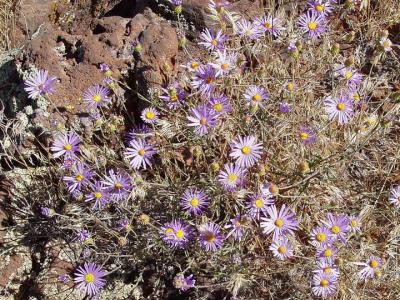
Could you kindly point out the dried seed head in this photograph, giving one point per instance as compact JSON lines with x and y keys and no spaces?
{"x":144,"y":219}
{"x":304,"y":167}
{"x":122,"y":241}
{"x":274,"y":189}
{"x":349,"y":62}
{"x":335,"y":49}
{"x":215,"y":167}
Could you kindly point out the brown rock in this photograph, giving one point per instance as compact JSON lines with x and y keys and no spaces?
{"x":8,"y":271}
{"x":157,"y":60}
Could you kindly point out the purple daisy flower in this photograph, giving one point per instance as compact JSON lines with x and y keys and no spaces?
{"x":38,"y":84}
{"x":281,"y":248}
{"x":394,"y":197}
{"x":340,"y":108}
{"x":173,"y":96}
{"x":124,"y":225}
{"x":202,"y":119}
{"x":386,"y":44}
{"x":225,"y":62}
{"x":204,"y":79}
{"x":280,"y":222}
{"x":83,"y":235}
{"x":320,"y":7}
{"x":139,"y":153}
{"x":219,"y":4}
{"x":138,"y":131}
{"x":184,"y":283}
{"x":81,"y":177}
{"x":246,"y":151}
{"x":372,"y":268}
{"x":324,"y":285}
{"x":65,"y":144}
{"x":255,"y":95}
{"x":118,"y":184}
{"x":307,"y":135}
{"x":219,"y":104}
{"x":176,"y":233}
{"x":312,"y":25}
{"x":149,"y":115}
{"x":104,"y":67}
{"x":210,"y":237}
{"x":354,"y":224}
{"x":69,"y":162}
{"x":321,"y":236}
{"x":232,"y":177}
{"x":194,"y":201}
{"x":284,"y":108}
{"x":350,"y":76}
{"x":89,"y":278}
{"x":258,"y":204}
{"x":236,"y":227}
{"x":99,"y":194}
{"x":338,"y":225}
{"x":327,"y":253}
{"x":270,"y":24}
{"x":213,"y":41}
{"x":96,"y":96}
{"x":327,"y":268}
{"x":248,"y":30}
{"x":192,"y":65}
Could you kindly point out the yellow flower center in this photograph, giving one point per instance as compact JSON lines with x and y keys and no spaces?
{"x":209,"y":237}
{"x":203,"y":121}
{"x":218,"y":107}
{"x":328,"y":253}
{"x":194,"y":65}
{"x":180,"y":234}
{"x":194,"y":202}
{"x":141,"y":152}
{"x":319,"y":7}
{"x":117,"y":185}
{"x":387,"y":44}
{"x":174,"y":98}
{"x":79,"y":177}
{"x":321,"y":237}
{"x":356,"y":97}
{"x":246,"y":150}
{"x":282,"y":249}
{"x":169,"y":230}
{"x":303,"y":136}
{"x":150,"y":115}
{"x":327,"y":270}
{"x":312,"y":25}
{"x":98,"y":195}
{"x":259,"y":203}
{"x":214,"y":43}
{"x":67,"y":147}
{"x":279,"y":223}
{"x":341,"y":106}
{"x":232,"y":177}
{"x":335,"y":229}
{"x":324,"y":283}
{"x":89,"y":277}
{"x":348,"y":75}
{"x":290,"y":86}
{"x":225,"y":66}
{"x":257,"y":97}
{"x":267,"y":25}
{"x":96,"y":98}
{"x":373,"y":263}
{"x":354,"y":223}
